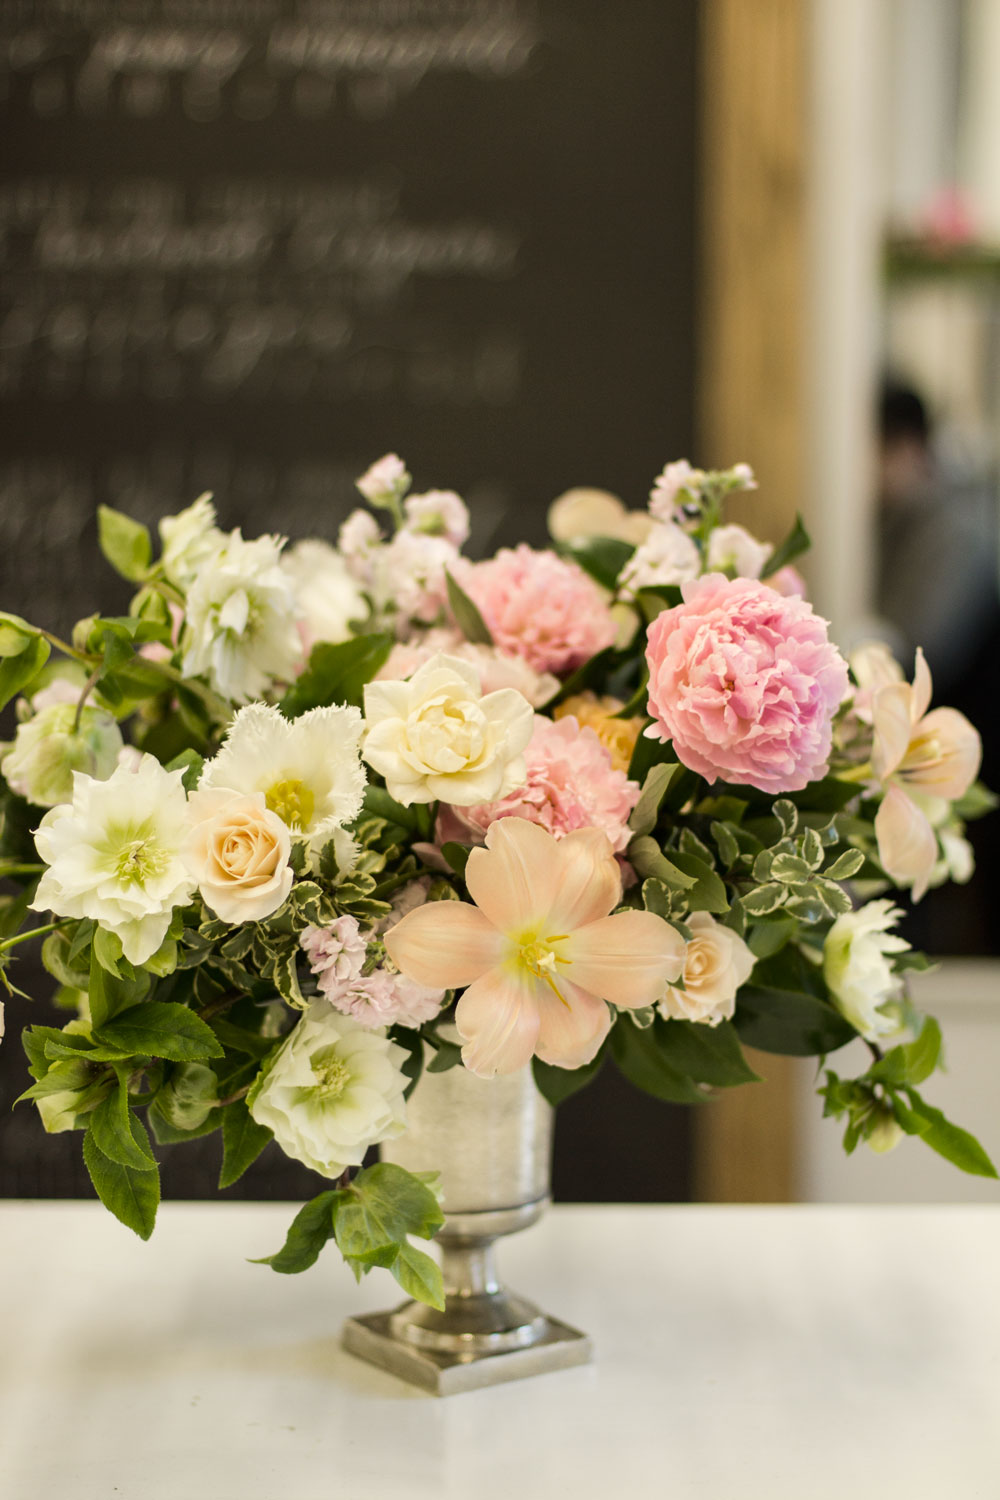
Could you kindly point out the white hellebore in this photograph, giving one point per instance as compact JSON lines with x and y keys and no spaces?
{"x":307,"y":769}
{"x":188,"y":540}
{"x":327,"y":596}
{"x":857,"y":967}
{"x":240,"y":628}
{"x":732,"y":549}
{"x":54,"y":743}
{"x":436,"y":736}
{"x":330,"y":1091}
{"x":716,"y":962}
{"x":114,"y":854}
{"x":238,"y":852}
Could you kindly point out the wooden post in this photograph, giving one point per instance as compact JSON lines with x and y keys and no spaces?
{"x":752,"y":407}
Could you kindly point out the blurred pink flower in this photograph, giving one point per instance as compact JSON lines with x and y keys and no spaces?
{"x":496,"y":670}
{"x":539,"y":953}
{"x":338,"y":957}
{"x":539,"y":607}
{"x":572,"y":783}
{"x":745,"y":683}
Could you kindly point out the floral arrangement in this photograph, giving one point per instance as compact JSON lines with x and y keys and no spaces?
{"x":620,"y":799}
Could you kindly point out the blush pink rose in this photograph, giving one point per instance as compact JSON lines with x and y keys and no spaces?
{"x":539,"y":607}
{"x":745,"y":683}
{"x":571,"y":783}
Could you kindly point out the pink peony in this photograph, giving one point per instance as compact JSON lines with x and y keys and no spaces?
{"x":571,"y":784}
{"x":745,"y":682}
{"x":539,"y":607}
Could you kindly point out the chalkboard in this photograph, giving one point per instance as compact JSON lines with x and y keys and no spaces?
{"x":250,"y":245}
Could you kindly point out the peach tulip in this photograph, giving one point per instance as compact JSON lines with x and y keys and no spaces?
{"x":538,"y":954}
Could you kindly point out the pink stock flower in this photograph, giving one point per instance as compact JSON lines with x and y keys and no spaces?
{"x":539,"y":607}
{"x":337,"y":956}
{"x":572,"y":783}
{"x":745,"y":682}
{"x":539,"y":953}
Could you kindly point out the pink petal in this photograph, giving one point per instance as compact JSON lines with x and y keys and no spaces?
{"x":444,"y":945}
{"x":514,"y":878}
{"x":572,"y":1028}
{"x":628,"y":959}
{"x":497,"y":1019}
{"x":589,"y":884}
{"x":891,"y":724}
{"x":944,"y":755}
{"x":907,"y":847}
{"x":921,"y":686}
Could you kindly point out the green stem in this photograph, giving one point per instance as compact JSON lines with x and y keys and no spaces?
{"x":9,"y":870}
{"x":65,"y":647}
{"x":22,"y":937}
{"x":88,"y":688}
{"x":218,"y":707}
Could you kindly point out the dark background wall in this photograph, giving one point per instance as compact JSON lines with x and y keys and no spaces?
{"x":250,"y":245}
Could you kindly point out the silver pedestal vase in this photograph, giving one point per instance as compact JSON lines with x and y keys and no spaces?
{"x":491,"y":1140}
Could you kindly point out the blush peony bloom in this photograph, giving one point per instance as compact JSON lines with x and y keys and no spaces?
{"x":495,"y":669}
{"x":539,"y":607}
{"x":571,"y":783}
{"x":539,"y":953}
{"x":745,"y":683}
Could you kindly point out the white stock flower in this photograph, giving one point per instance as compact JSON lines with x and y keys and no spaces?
{"x":114,"y":854}
{"x":408,"y":578}
{"x":308,"y":769}
{"x":238,"y":851}
{"x":732,"y":549}
{"x":668,"y":555}
{"x":240,"y":629}
{"x":436,"y":737}
{"x":438,"y":513}
{"x":330,"y":1091}
{"x":188,"y":540}
{"x":385,"y":481}
{"x":49,"y":747}
{"x":357,"y":540}
{"x":327,"y":596}
{"x":667,"y":487}
{"x":716,"y":962}
{"x":857,"y":967}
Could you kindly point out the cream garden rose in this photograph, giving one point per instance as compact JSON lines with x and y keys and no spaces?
{"x":331,"y":1090}
{"x":238,"y":852}
{"x":437,"y":737}
{"x":716,"y":962}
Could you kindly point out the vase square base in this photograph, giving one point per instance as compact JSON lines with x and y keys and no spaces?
{"x":444,"y":1374}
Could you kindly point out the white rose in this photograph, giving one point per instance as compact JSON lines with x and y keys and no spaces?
{"x":436,"y":737}
{"x":327,"y":597}
{"x":238,"y":852}
{"x":114,"y":854}
{"x":858,"y":970}
{"x":240,"y":628}
{"x":49,"y":747}
{"x":731,"y":549}
{"x":716,"y":962}
{"x":330,"y":1091}
{"x":668,"y":555}
{"x":188,"y":540}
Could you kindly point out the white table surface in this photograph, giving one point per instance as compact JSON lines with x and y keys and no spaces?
{"x":789,"y":1353}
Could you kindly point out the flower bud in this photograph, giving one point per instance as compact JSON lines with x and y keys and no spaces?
{"x":189,"y":1095}
{"x":48,"y":748}
{"x":884,"y":1132}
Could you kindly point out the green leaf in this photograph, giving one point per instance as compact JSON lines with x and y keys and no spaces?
{"x":17,"y":671}
{"x":111,"y":995}
{"x":307,"y":1234}
{"x":447,"y":1056}
{"x":108,"y":952}
{"x":646,"y":810}
{"x":467,"y":617}
{"x":132,"y":1194}
{"x":192,"y":764}
{"x":765,"y":899}
{"x":795,"y":543}
{"x":950,"y":1141}
{"x":119,"y":1135}
{"x":557,"y":1084}
{"x":381,"y":1207}
{"x":457,"y":856}
{"x":242,"y":1141}
{"x":845,"y":865}
{"x":159,"y":1028}
{"x":640,"y":1056}
{"x":791,"y":1022}
{"x":770,"y":936}
{"x":419,"y":1276}
{"x":708,"y":1054}
{"x":648,"y":860}
{"x":336,"y":674}
{"x":603,"y":557}
{"x":708,"y":892}
{"x":16,"y":635}
{"x":725,"y":839}
{"x":125,"y":543}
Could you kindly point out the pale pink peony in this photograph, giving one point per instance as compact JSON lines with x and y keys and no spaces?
{"x":745,"y":683}
{"x":496,"y":670}
{"x":539,"y":607}
{"x":572,"y":783}
{"x":788,"y":580}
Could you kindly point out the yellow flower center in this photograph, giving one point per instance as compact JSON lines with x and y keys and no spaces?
{"x":537,"y":956}
{"x":139,"y":859}
{"x":292,"y":801}
{"x":332,"y":1076}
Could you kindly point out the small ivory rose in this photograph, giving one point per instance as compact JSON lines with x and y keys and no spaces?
{"x":436,"y":737}
{"x":330,"y":1091}
{"x":857,"y":967}
{"x":238,"y":852}
{"x":580,"y":514}
{"x":717,"y":961}
{"x":49,"y":747}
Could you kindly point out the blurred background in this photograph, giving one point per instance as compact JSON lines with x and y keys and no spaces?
{"x":248,"y":246}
